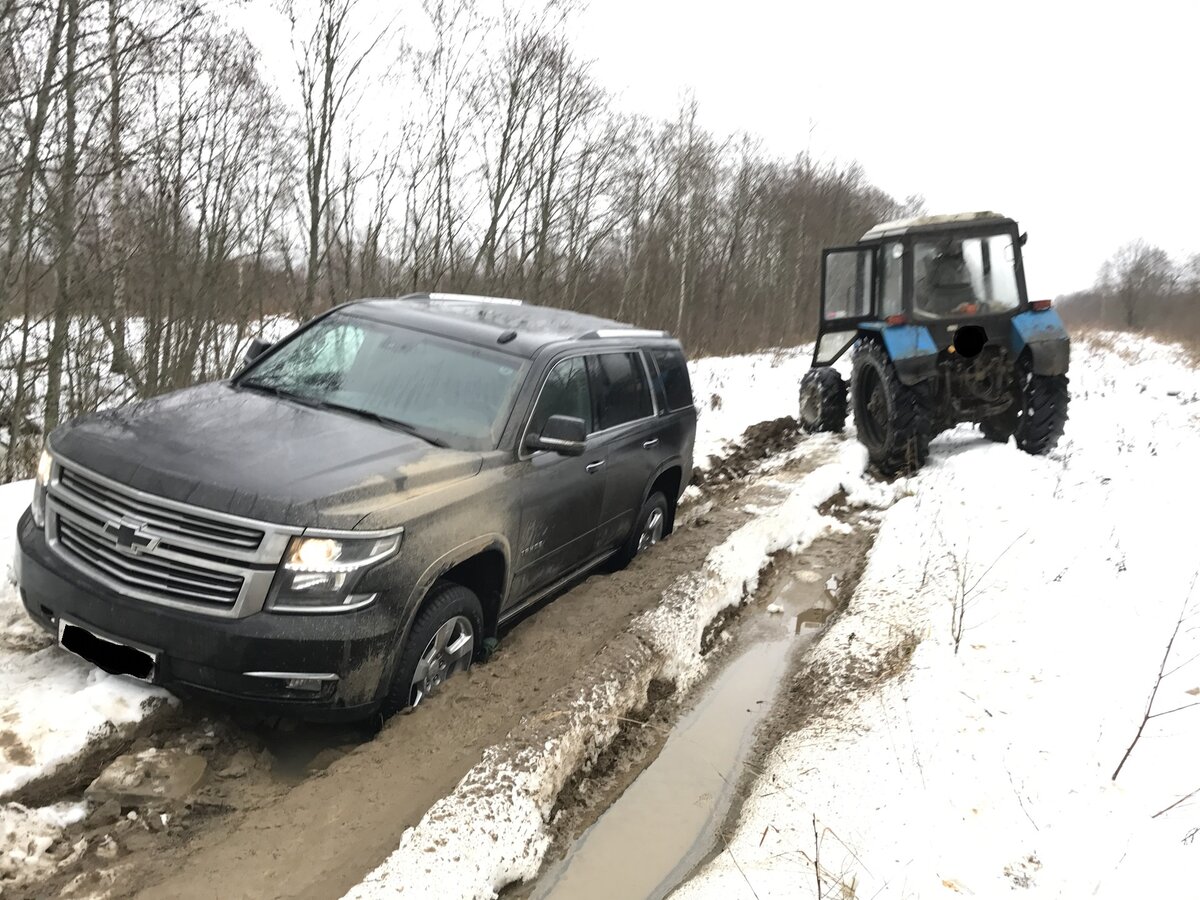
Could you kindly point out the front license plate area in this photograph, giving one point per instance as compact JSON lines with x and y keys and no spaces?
{"x":112,"y":657}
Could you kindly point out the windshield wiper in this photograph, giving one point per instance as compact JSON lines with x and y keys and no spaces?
{"x":382,"y":420}
{"x":276,"y":391}
{"x":317,"y":403}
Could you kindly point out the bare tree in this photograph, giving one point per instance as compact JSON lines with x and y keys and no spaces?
{"x":1135,"y":276}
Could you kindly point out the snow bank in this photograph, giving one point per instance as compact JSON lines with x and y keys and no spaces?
{"x":989,"y":769}
{"x":53,"y":706}
{"x":734,"y":392}
{"x":491,"y":830}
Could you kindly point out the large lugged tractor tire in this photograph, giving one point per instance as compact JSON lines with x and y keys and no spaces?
{"x":822,"y":400}
{"x":894,"y":420}
{"x":1041,"y":413}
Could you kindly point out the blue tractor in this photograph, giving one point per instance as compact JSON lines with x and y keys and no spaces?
{"x":936,"y":314}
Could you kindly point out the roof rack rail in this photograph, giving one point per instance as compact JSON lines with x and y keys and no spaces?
{"x":622,"y":332}
{"x":475,"y":298}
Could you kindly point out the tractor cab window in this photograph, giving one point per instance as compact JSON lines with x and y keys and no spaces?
{"x":955,"y":277}
{"x":891,"y":274}
{"x":846,"y":293}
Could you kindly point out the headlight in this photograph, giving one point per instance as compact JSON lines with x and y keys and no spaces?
{"x":319,"y":573}
{"x":38,"y":507}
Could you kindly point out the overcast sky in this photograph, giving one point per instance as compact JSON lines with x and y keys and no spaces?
{"x":1078,"y":119}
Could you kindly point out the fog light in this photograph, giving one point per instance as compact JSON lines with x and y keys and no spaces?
{"x":312,"y":685}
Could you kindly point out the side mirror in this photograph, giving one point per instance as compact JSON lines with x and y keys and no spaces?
{"x":1023,"y":238}
{"x":256,"y":349}
{"x":561,"y":434}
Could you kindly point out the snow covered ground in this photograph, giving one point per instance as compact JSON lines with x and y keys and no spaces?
{"x":734,"y":392}
{"x":986,"y":766}
{"x":981,"y":762}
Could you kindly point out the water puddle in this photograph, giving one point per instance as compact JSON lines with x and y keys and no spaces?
{"x":666,"y":821}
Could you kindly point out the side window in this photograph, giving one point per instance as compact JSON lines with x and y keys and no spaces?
{"x":622,"y":393}
{"x":564,"y":393}
{"x":673,"y":374}
{"x":891,"y":271}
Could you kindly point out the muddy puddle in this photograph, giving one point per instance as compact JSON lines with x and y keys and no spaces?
{"x":668,"y":820}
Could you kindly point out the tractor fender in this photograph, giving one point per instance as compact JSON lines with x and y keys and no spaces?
{"x":910,"y":347}
{"x":1042,"y":332}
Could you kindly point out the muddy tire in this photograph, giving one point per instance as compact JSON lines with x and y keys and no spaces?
{"x":1041,"y":413}
{"x":822,"y":400}
{"x":894,"y":420}
{"x":443,"y":640}
{"x":649,"y":528}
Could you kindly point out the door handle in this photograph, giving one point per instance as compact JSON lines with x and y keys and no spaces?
{"x":592,"y":467}
{"x":653,"y":442}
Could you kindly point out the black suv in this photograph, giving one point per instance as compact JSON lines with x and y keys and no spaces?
{"x":340,"y":526}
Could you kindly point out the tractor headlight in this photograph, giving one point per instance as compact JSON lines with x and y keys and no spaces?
{"x":319,"y":573}
{"x":40,"y":482}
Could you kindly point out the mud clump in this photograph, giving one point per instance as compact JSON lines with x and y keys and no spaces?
{"x":758,"y":442}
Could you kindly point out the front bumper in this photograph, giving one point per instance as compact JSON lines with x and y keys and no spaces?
{"x":206,"y":656}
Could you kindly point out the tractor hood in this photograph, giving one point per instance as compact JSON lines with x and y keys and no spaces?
{"x":257,"y":456}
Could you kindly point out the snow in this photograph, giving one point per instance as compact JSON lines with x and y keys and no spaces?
{"x":979,"y":765}
{"x":26,"y":835}
{"x":53,"y":706}
{"x":734,"y":392}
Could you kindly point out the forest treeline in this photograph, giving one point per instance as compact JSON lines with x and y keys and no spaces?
{"x":161,"y":191}
{"x":1141,"y":288}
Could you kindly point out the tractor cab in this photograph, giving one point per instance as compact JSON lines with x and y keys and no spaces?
{"x":941,"y":301}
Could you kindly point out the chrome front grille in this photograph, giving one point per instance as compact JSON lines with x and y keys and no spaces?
{"x":166,"y":522}
{"x":159,"y":550}
{"x":147,"y":573}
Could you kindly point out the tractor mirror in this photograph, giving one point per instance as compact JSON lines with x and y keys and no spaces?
{"x":1023,"y":238}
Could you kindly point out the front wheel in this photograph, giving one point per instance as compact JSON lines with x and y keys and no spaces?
{"x":649,"y":528}
{"x":1042,"y":410}
{"x":441,"y":643}
{"x":822,"y":400}
{"x":893,"y":419}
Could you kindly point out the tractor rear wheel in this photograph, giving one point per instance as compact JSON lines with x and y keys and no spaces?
{"x":1042,"y":408}
{"x":894,"y":420}
{"x":822,"y":400}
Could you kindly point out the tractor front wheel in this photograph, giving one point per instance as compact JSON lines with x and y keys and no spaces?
{"x":894,"y":420}
{"x":822,"y":400}
{"x":1042,"y":409}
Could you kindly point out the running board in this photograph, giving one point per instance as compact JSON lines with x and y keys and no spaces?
{"x":554,"y":586}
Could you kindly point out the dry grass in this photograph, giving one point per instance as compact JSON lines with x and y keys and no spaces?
{"x":1110,"y":339}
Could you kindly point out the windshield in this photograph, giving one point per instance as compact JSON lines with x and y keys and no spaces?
{"x":448,"y":393}
{"x":956,"y":276}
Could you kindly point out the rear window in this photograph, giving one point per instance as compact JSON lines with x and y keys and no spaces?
{"x":622,"y":393}
{"x":673,"y":377}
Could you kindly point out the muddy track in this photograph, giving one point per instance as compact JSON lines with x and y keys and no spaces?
{"x":306,"y":812}
{"x":590,"y":795}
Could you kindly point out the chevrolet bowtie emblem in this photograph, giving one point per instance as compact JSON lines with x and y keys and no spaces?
{"x":129,"y":535}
